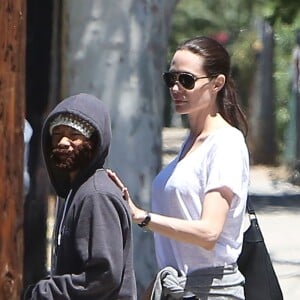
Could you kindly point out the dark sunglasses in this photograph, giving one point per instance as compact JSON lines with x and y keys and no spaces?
{"x":187,"y":80}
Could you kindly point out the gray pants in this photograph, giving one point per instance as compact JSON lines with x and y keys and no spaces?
{"x":217,"y":283}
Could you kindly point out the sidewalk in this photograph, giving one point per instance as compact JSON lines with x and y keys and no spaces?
{"x":277,"y":205}
{"x":272,"y":183}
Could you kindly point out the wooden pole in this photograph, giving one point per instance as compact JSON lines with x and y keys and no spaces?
{"x":12,"y":66}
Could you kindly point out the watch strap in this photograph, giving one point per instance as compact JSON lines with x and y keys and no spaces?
{"x":146,"y":221}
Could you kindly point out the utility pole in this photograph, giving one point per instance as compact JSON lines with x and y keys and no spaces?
{"x":12,"y":83}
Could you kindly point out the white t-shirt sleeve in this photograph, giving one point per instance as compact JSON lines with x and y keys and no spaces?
{"x":228,"y":163}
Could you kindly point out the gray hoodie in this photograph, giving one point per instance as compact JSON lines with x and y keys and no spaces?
{"x":93,"y":245}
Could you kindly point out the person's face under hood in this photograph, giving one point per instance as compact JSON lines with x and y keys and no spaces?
{"x":71,"y":150}
{"x":92,"y":111}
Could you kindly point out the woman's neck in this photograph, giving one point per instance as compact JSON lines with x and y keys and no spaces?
{"x":202,"y":127}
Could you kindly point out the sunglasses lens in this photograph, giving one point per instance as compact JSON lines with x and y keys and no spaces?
{"x":170,"y":79}
{"x":187,"y":81}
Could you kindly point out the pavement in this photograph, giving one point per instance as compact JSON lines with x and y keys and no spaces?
{"x":277,"y":205}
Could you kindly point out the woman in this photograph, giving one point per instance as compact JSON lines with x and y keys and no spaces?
{"x":199,"y":199}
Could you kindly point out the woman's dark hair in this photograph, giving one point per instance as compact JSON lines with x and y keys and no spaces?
{"x":217,"y":61}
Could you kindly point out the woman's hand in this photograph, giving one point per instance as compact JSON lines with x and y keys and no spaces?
{"x":137,"y":214}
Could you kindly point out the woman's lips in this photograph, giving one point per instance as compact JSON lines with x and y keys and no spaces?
{"x":179,"y":101}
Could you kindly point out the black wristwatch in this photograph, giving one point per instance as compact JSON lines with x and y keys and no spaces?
{"x":146,"y":221}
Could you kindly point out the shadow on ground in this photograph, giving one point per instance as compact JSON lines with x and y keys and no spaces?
{"x":275,"y":203}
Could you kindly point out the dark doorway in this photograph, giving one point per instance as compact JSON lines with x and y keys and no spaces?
{"x":38,"y":70}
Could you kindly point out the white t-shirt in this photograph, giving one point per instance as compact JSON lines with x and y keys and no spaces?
{"x":179,"y":189}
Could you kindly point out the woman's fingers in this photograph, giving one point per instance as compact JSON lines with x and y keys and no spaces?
{"x":125,"y":193}
{"x":115,"y":178}
{"x":119,"y":183}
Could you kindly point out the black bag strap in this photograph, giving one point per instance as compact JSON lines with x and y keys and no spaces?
{"x":254,"y":233}
{"x":249,"y":207}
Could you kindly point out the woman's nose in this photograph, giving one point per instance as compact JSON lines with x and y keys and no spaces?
{"x":175,"y":87}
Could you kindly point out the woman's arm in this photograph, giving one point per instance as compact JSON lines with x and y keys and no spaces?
{"x":204,"y":232}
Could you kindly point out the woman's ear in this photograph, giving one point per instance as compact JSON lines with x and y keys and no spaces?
{"x":219,"y":82}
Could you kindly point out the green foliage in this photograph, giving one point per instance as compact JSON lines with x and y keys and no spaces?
{"x":285,"y":39}
{"x":283,"y":11}
{"x":194,"y":18}
{"x":244,"y":50}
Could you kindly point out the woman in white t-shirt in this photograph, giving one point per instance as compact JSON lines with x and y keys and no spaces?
{"x":199,"y":199}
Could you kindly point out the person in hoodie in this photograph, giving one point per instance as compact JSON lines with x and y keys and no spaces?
{"x":92,"y":246}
